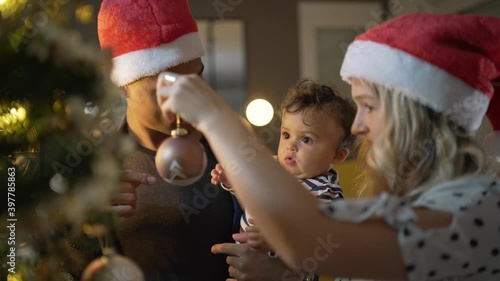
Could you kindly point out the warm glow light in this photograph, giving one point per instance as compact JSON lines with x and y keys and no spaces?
{"x":11,"y":7}
{"x":21,"y":113}
{"x":84,"y":13}
{"x":259,"y":112}
{"x":14,"y":276}
{"x":57,"y":106}
{"x":12,"y":120}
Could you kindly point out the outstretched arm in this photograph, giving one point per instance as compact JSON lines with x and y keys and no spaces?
{"x":292,"y":224}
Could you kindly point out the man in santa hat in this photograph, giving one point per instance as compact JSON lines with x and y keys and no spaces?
{"x":168,"y":231}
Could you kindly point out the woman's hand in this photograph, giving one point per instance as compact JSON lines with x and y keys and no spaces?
{"x":191,"y":98}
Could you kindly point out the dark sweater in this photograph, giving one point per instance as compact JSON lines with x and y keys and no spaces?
{"x":171,"y":234}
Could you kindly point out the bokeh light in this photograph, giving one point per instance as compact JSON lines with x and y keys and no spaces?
{"x":259,"y":112}
{"x":12,"y":119}
{"x":84,"y":13}
{"x":10,"y":7}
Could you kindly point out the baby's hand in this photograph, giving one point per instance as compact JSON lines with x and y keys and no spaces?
{"x":256,"y":241}
{"x":218,"y":175}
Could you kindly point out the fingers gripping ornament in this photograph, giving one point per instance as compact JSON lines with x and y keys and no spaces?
{"x":180,"y":159}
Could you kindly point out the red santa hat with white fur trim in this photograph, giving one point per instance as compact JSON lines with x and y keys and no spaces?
{"x":147,"y":37}
{"x":445,"y":62}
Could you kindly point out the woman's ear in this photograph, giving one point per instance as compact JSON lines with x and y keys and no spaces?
{"x":340,"y":155}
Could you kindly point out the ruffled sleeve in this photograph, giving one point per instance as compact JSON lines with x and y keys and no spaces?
{"x":468,"y":249}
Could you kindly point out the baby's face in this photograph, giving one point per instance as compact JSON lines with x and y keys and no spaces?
{"x":306,"y":149}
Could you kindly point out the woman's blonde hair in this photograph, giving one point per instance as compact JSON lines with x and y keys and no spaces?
{"x":416,"y":149}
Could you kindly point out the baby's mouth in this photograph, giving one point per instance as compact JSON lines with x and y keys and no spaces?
{"x":289,"y":160}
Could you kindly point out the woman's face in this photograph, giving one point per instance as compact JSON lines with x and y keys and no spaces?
{"x":368,"y":120}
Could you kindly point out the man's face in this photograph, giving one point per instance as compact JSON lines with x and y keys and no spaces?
{"x":142,"y":103}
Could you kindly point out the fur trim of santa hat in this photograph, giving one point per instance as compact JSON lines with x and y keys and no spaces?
{"x":445,"y":62}
{"x":147,"y":37}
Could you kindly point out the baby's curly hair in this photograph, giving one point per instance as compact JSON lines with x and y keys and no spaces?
{"x":314,"y":98}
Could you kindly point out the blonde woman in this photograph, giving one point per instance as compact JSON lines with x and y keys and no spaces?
{"x":422,"y":84}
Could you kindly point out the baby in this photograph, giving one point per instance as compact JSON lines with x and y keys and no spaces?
{"x":315,"y":135}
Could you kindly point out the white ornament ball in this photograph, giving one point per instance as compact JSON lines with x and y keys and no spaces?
{"x":112,"y":267}
{"x":181,"y":161}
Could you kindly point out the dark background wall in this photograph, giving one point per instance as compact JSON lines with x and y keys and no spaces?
{"x":272,"y":42}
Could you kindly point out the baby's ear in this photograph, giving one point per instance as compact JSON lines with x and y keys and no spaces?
{"x":340,"y":155}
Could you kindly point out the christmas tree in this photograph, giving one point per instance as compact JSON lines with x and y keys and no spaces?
{"x":59,"y":143}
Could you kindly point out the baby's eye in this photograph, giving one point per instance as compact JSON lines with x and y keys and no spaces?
{"x":306,"y":140}
{"x":286,"y":135}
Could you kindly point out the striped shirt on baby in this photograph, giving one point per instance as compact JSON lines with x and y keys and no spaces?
{"x":326,"y":188}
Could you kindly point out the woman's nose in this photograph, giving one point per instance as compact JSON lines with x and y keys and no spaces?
{"x":358,"y":126}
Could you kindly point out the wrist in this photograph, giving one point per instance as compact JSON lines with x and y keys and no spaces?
{"x":220,"y":121}
{"x":211,"y":119}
